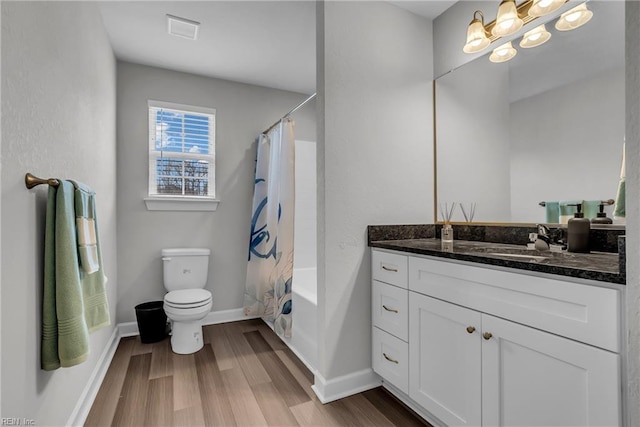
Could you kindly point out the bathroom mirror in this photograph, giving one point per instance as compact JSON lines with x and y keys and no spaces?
{"x":547,"y":125}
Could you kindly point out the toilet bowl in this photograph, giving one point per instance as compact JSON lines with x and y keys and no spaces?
{"x":186,"y":303}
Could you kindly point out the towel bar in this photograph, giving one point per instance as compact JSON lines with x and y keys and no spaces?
{"x":604,"y":202}
{"x":31,"y":181}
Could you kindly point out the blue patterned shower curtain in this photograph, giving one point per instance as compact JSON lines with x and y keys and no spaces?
{"x":270,"y":267}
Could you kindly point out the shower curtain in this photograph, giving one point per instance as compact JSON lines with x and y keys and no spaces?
{"x":270,"y":266}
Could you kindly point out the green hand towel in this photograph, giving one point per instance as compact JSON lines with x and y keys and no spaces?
{"x":96,"y":306}
{"x":552,"y":212}
{"x":591,"y":208}
{"x":567,"y":211}
{"x":62,"y":285}
{"x":619,"y":211}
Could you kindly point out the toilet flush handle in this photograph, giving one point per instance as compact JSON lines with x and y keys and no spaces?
{"x":164,"y":258}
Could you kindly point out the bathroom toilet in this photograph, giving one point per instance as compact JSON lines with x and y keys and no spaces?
{"x":187,"y":302}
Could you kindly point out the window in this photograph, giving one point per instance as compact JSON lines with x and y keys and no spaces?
{"x":181,"y":155}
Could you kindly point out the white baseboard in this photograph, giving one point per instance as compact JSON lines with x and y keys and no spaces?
{"x":82,"y":408}
{"x":130,"y":329}
{"x":225,"y":316}
{"x":346,"y":385}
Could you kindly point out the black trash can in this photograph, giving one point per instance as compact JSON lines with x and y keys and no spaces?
{"x":152,"y":321}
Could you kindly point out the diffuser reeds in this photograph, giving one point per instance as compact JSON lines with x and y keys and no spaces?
{"x":472,"y":212}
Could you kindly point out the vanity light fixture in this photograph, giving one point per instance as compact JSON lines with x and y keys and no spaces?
{"x":477,"y":39}
{"x":503,"y":53}
{"x":511,"y":18}
{"x":539,"y":35}
{"x":507,"y":21}
{"x":544,"y":7}
{"x":574,"y":18}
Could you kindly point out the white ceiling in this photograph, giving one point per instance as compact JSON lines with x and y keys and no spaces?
{"x":266,"y":43}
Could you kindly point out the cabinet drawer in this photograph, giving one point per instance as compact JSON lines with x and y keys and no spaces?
{"x":585,"y":313}
{"x":389,"y":268}
{"x":390,"y":309}
{"x":391,"y":359}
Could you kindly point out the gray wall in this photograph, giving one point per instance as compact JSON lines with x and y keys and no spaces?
{"x":242,"y":112}
{"x":576,"y":154}
{"x":473,"y":141}
{"x":450,"y":34}
{"x":632,"y":16}
{"x":58,"y":119}
{"x":375,"y":159}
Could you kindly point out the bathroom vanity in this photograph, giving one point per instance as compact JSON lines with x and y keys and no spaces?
{"x":469,"y":335}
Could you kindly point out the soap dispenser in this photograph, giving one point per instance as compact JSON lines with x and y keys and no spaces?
{"x":601,"y":217}
{"x":578,"y":229}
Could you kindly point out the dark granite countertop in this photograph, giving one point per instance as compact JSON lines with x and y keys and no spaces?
{"x":599,"y":266}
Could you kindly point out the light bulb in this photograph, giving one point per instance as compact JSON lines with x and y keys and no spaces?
{"x":576,"y":17}
{"x":503,"y":53}
{"x":544,"y":7}
{"x":507,"y":21}
{"x":535,"y":37}
{"x":477,"y":38}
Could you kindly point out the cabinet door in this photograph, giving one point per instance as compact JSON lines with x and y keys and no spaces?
{"x":533,"y":378}
{"x":444,"y":360}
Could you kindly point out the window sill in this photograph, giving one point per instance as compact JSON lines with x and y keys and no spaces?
{"x":181,"y":204}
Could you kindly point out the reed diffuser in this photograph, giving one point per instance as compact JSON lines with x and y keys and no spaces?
{"x":472,"y":212}
{"x":446,"y":234}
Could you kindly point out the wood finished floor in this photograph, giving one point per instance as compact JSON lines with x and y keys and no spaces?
{"x":244,"y":376}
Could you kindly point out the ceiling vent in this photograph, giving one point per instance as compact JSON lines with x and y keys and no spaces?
{"x":182,"y":27}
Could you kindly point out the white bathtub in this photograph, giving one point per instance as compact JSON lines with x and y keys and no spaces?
{"x":304,"y":336}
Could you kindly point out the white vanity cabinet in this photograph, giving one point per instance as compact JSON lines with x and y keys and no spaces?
{"x":489,"y":347}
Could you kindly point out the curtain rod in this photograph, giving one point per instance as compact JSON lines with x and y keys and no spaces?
{"x":293,"y":110}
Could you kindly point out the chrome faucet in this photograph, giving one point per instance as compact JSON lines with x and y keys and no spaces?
{"x":546,"y":238}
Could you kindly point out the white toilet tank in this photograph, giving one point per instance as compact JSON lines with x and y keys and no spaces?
{"x":185,"y":268}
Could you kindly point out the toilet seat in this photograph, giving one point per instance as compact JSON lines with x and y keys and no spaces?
{"x":187,"y":298}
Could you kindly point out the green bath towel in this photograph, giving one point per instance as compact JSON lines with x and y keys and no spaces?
{"x":65,"y":337}
{"x":74,"y":301}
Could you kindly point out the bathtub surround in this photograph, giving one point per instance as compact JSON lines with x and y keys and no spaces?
{"x":58,"y":119}
{"x":242,"y":112}
{"x":304,"y":291}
